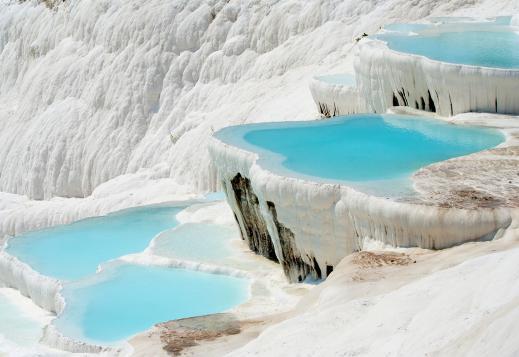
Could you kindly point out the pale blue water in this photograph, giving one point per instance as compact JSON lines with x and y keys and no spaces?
{"x":358,"y":148}
{"x":338,"y":79}
{"x":127,"y":299}
{"x":406,"y":27}
{"x":75,"y":250}
{"x":214,"y":196}
{"x":204,"y":242}
{"x":489,"y":44}
{"x":500,"y":20}
{"x":17,"y":326}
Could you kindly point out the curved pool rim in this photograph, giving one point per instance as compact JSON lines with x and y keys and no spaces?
{"x":272,"y":162}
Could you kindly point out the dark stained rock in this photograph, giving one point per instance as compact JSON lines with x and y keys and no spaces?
{"x":252,"y":225}
{"x":295,"y":268}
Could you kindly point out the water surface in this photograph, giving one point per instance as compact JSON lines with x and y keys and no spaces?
{"x":205,"y":242}
{"x":75,"y":250}
{"x":104,"y":307}
{"x":127,"y":299}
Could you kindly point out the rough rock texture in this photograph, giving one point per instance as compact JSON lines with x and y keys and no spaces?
{"x":252,"y":224}
{"x":379,"y":259}
{"x":489,"y":179}
{"x":183,"y":333}
{"x":388,"y":78}
{"x":295,"y":268}
{"x":263,"y":232}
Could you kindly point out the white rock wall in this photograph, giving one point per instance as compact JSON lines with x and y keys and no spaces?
{"x":43,"y":291}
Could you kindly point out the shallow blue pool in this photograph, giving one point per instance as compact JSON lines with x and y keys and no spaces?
{"x":127,"y":299}
{"x":488,"y":44}
{"x":75,"y":250}
{"x":204,"y":242}
{"x":361,"y":150}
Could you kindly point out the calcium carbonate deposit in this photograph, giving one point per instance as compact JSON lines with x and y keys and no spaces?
{"x":95,"y":89}
{"x":113,"y":104}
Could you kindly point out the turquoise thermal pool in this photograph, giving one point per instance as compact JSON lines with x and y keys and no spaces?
{"x":75,"y":250}
{"x":487,"y":44}
{"x":127,"y":299}
{"x":361,"y":150}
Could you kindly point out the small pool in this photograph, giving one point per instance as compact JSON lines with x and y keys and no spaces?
{"x":342,"y":79}
{"x":75,"y":250}
{"x":369,"y":151}
{"x":205,"y":242}
{"x":488,"y":44}
{"x":127,"y":299}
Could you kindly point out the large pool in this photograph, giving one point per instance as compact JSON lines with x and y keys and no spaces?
{"x":361,"y":150}
{"x":488,"y":44}
{"x":127,"y":299}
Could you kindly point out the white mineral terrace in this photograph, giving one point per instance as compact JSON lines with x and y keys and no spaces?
{"x":387,"y":78}
{"x":314,"y":225}
{"x":108,"y":105}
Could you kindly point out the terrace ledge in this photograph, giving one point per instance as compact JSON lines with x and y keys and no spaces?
{"x":310,"y":226}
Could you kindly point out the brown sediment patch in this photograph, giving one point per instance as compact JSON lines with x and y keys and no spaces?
{"x":506,"y":151}
{"x":471,"y":197}
{"x":367,"y":259}
{"x":489,"y":179}
{"x":179,"y":335}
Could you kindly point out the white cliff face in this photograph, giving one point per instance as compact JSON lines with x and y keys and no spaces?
{"x":94,"y":89}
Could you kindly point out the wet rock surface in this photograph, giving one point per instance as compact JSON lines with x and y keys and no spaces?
{"x":252,"y":225}
{"x":295,"y":268}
